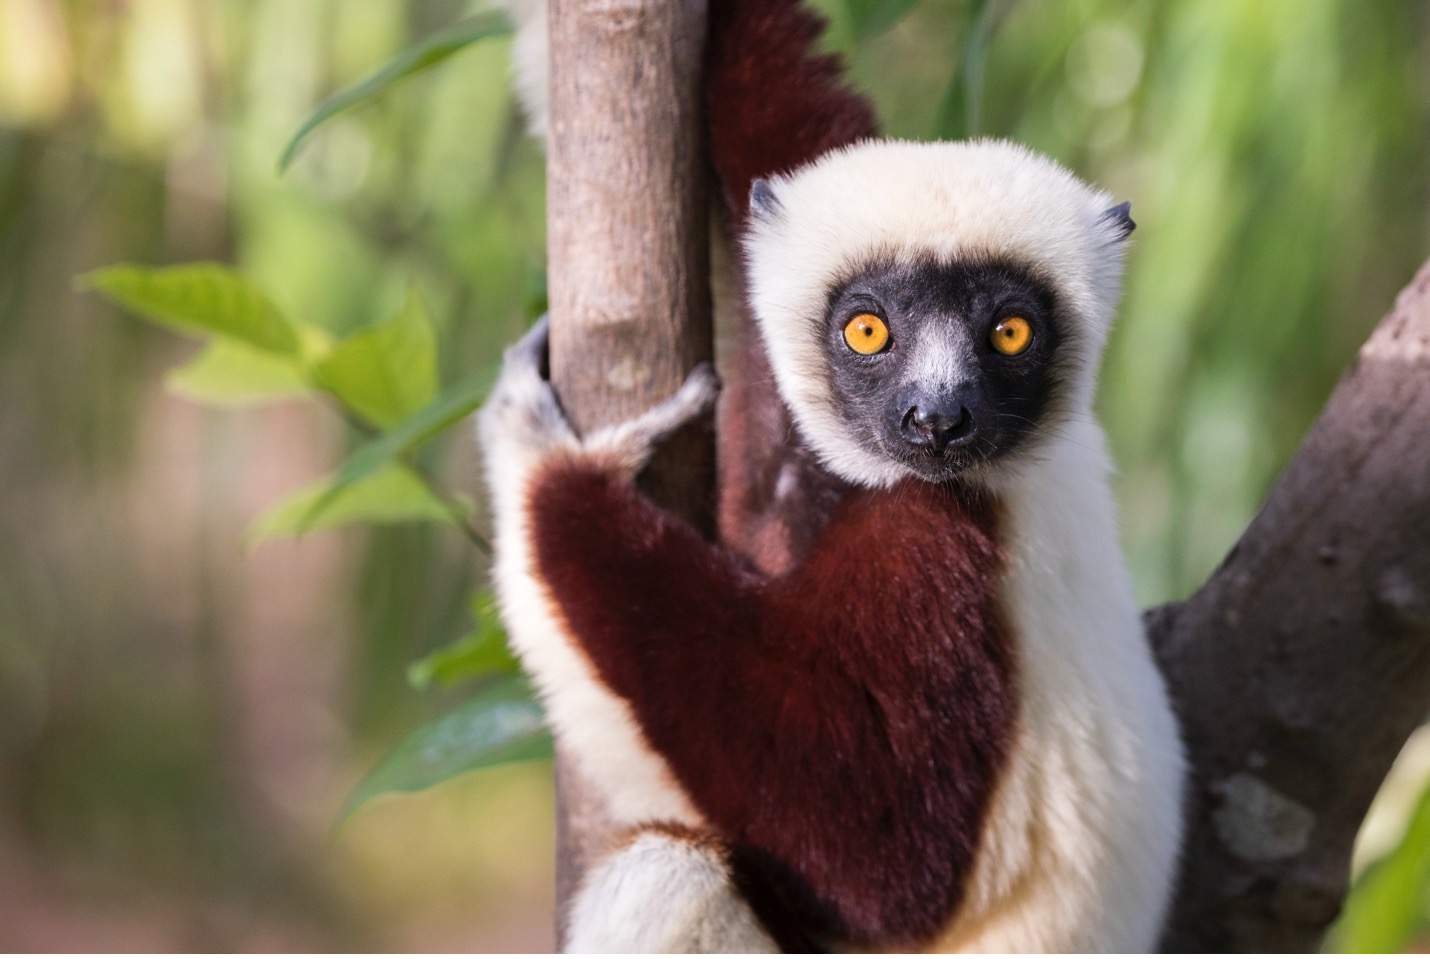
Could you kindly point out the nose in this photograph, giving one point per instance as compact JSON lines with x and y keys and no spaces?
{"x":937,"y":423}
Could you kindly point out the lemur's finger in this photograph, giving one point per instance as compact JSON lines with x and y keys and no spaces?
{"x":527,"y":356}
{"x":695,"y":396}
{"x":522,"y":410}
{"x":633,"y":441}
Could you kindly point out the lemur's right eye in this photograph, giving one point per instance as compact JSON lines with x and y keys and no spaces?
{"x":1011,"y":336}
{"x":866,"y":333}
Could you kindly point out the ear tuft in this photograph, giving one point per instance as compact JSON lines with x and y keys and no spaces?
{"x":1119,"y":219}
{"x":763,"y":202}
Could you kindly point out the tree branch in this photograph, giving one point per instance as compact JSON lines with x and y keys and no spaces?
{"x":627,"y":261}
{"x":1303,"y":664}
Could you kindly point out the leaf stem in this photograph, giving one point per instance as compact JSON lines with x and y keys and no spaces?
{"x":449,"y":501}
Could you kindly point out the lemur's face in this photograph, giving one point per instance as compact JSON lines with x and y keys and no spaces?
{"x":943,"y":366}
{"x":933,"y":309}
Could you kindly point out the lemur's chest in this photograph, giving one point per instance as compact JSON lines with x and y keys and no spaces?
{"x":898,"y":613}
{"x":905,"y":582}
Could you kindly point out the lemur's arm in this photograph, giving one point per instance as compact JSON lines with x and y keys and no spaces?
{"x":832,"y":760}
{"x":669,"y":622}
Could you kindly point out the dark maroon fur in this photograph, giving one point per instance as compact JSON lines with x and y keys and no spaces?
{"x":841,"y":726}
{"x":774,"y":104}
{"x":775,"y":496}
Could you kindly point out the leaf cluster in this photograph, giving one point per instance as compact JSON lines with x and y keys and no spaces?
{"x":382,"y":379}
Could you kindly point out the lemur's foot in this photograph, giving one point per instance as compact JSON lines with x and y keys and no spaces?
{"x":663,"y":891}
{"x":522,"y":419}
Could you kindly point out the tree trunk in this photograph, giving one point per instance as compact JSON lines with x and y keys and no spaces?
{"x":627,"y":263}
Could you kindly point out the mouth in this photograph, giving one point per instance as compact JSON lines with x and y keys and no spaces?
{"x":934,"y":465}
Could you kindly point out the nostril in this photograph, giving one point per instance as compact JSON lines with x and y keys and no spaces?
{"x":947,"y":430}
{"x":961,"y":426}
{"x":911,"y":418}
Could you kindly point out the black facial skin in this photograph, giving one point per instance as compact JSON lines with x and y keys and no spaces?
{"x":939,"y":398}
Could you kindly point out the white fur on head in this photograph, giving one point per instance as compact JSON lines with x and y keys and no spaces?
{"x":528,"y":60}
{"x":886,"y":200}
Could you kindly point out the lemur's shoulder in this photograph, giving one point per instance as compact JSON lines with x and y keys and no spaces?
{"x":774,"y":104}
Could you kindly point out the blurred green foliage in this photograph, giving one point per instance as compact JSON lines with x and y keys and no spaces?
{"x":482,"y":652}
{"x":413,"y":60}
{"x":158,"y":725}
{"x":1274,"y":153}
{"x":501,"y":724}
{"x":1389,"y":904}
{"x":382,"y":378}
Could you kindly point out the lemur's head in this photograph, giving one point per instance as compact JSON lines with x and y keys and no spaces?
{"x":932,"y":308}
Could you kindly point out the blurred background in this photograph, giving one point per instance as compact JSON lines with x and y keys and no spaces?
{"x":183,"y":715}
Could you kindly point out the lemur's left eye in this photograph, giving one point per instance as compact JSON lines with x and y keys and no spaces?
{"x":866,"y":333}
{"x":1011,"y":336}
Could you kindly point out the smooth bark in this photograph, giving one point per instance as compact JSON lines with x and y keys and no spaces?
{"x":627,"y":262}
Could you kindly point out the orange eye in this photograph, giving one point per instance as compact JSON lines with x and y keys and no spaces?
{"x":866,"y":334}
{"x":1011,"y":336}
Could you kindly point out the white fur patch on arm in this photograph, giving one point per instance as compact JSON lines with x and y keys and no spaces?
{"x":521,"y":429}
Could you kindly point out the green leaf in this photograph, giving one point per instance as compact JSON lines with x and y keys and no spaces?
{"x":1388,"y":905}
{"x":414,"y":59}
{"x":502,"y":724}
{"x":230,"y":373}
{"x":390,"y":495}
{"x":455,"y":402}
{"x":314,"y":343}
{"x":202,"y":298}
{"x":481,"y":652}
{"x":387,"y":371}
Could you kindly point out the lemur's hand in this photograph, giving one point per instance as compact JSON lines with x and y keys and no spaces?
{"x":629,"y":445}
{"x":522,"y":421}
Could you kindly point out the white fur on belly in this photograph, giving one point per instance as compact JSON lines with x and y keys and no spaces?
{"x":1081,"y":844}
